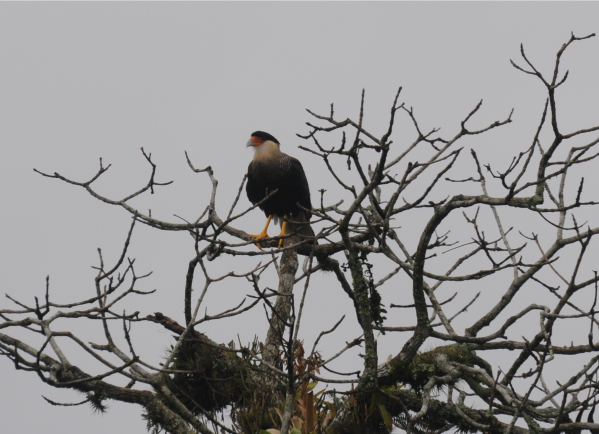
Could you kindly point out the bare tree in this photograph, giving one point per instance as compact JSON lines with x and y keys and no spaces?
{"x":441,"y":376}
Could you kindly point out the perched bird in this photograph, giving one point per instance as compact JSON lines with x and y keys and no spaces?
{"x":272,"y":170}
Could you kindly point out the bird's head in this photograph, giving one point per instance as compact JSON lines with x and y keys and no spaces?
{"x":264,"y":145}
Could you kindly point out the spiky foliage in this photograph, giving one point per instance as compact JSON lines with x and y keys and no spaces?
{"x":210,"y":378}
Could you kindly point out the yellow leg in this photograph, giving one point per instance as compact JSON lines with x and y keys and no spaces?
{"x":262,"y":234}
{"x":283,"y":226}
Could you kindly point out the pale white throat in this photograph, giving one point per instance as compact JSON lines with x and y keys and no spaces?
{"x":266,"y":150}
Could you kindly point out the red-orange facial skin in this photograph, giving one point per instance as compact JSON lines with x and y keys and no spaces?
{"x":256,"y":141}
{"x":264,"y":149}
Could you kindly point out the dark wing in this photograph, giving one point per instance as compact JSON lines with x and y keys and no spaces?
{"x":301,"y":189}
{"x":255,"y":194}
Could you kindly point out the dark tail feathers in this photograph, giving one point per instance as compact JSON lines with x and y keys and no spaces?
{"x":300,"y":225}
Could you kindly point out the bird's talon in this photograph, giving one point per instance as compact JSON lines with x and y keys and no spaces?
{"x":258,"y":238}
{"x":282,"y":234}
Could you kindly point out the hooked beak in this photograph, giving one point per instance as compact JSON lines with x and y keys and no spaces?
{"x":250,"y":144}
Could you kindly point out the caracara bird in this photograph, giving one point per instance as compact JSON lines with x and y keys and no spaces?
{"x":272,"y":170}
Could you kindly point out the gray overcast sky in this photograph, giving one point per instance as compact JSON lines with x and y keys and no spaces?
{"x":79,"y":81}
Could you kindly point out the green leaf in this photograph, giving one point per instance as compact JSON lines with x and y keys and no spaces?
{"x":386,"y":417}
{"x":392,"y":388}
